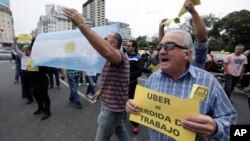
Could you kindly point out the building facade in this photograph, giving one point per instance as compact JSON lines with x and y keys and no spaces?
{"x":94,"y":10}
{"x":6,"y":26}
{"x":53,"y":21}
{"x":125,"y":30}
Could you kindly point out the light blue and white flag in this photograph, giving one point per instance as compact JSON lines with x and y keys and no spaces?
{"x":70,"y":50}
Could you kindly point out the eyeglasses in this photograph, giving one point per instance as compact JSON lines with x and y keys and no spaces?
{"x":169,"y":46}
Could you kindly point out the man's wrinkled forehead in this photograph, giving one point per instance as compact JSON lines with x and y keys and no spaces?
{"x":172,"y":37}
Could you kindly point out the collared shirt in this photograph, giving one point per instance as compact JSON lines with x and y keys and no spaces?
{"x":114,"y":85}
{"x":216,"y":105}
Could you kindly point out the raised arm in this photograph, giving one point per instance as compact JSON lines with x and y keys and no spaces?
{"x":103,"y":47}
{"x":199,"y":26}
{"x":19,"y":52}
{"x":161,"y":30}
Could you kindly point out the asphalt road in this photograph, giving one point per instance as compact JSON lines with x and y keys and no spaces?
{"x":67,"y":123}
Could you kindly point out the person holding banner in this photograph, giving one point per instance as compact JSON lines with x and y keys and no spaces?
{"x":200,"y":44}
{"x":177,"y":77}
{"x":115,"y":79}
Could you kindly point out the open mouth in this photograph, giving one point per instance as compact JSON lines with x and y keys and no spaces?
{"x":164,"y":60}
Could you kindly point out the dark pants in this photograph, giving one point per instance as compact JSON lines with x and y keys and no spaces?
{"x":96,"y":78}
{"x":41,"y":83}
{"x":131,"y":92}
{"x":54,"y":71}
{"x":18,"y":72}
{"x":249,"y":101}
{"x":26,"y":85}
{"x":91,"y":86}
{"x":230,"y":83}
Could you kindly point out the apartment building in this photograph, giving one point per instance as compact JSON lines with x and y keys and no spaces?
{"x":6,"y":26}
{"x":53,"y":21}
{"x":94,"y":10}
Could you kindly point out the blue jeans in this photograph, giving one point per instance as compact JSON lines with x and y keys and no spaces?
{"x":91,"y":86}
{"x":110,"y":122}
{"x":73,"y":84}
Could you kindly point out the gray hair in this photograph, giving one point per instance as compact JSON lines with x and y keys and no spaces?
{"x":187,"y":39}
{"x":188,"y":42}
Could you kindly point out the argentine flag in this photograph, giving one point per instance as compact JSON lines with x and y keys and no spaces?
{"x":70,"y":50}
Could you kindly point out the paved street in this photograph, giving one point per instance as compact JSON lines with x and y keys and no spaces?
{"x":67,"y":123}
{"x":17,"y":122}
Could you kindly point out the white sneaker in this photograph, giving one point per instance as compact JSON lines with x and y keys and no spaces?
{"x":94,"y":101}
{"x":90,"y":96}
{"x":80,"y":84}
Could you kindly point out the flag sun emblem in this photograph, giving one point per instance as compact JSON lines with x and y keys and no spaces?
{"x":70,"y":47}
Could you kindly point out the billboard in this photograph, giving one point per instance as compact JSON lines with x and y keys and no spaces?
{"x":5,"y":2}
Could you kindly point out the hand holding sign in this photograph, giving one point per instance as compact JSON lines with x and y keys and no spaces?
{"x":188,"y":6}
{"x":196,"y":124}
{"x":131,"y":107}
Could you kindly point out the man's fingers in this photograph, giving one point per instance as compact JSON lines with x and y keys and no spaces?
{"x":202,"y":124}
{"x":69,"y":12}
{"x":131,"y":107}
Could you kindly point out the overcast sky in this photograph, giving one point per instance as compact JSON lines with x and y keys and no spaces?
{"x":143,"y":16}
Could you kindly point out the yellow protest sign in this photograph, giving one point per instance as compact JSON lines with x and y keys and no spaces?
{"x":163,"y":112}
{"x":24,"y":38}
{"x":183,"y":9}
{"x":199,"y":92}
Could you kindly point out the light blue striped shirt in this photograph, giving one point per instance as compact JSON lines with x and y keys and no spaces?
{"x":216,"y":105}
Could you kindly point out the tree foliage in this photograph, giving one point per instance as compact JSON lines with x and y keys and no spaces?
{"x":142,"y":41}
{"x":224,"y":33}
{"x":232,"y":29}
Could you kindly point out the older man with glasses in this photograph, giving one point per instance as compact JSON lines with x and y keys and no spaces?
{"x":176,"y":77}
{"x":200,"y":38}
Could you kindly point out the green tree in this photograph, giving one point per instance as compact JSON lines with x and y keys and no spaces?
{"x":154,"y":41}
{"x":210,"y":20}
{"x":142,"y":41}
{"x":188,"y":25}
{"x":233,"y":29}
